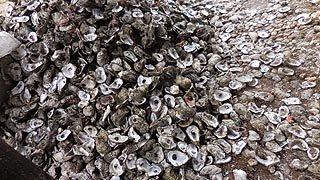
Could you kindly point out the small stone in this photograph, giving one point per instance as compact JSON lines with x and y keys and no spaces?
{"x":252,"y":162}
{"x":239,"y":174}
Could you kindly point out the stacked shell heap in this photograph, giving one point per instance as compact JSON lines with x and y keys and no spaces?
{"x":131,"y":89}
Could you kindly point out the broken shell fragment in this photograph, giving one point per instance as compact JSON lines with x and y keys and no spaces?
{"x":284,"y":9}
{"x":291,"y":101}
{"x":32,"y":37}
{"x":35,"y":123}
{"x":131,"y":161}
{"x":63,"y":135}
{"x":18,"y":88}
{"x":238,"y":147}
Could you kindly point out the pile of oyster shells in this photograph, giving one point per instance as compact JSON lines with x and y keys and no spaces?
{"x":147,"y":89}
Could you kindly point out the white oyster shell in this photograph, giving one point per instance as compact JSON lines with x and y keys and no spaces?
{"x":100,"y":75}
{"x":297,"y":131}
{"x":221,"y":95}
{"x":283,"y":111}
{"x":307,"y":84}
{"x":35,"y":123}
{"x":131,"y":161}
{"x":83,"y":96}
{"x":28,"y":67}
{"x":238,"y":146}
{"x":225,"y":108}
{"x":117,"y":138}
{"x":266,"y":157}
{"x":167,"y":142}
{"x":115,"y":168}
{"x":69,"y":70}
{"x":133,"y":135}
{"x":199,"y":162}
{"x":153,"y":170}
{"x":298,"y":144}
{"x":192,"y":150}
{"x":116,"y":84}
{"x":193,"y":133}
{"x":182,"y":146}
{"x":263,"y":34}
{"x":142,"y":80}
{"x":63,"y":135}
{"x":284,"y":9}
{"x":291,"y":101}
{"x":273,"y":117}
{"x":78,"y":150}
{"x":177,"y":158}
{"x":32,"y":37}
{"x":155,"y":103}
{"x":90,"y":130}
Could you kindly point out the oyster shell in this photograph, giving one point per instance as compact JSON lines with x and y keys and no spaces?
{"x":115,"y":168}
{"x":63,"y":135}
{"x":193,"y":133}
{"x":177,"y":158}
{"x":266,"y":157}
{"x":313,"y":153}
{"x":291,"y":101}
{"x":297,"y":131}
{"x":221,"y":95}
{"x":69,"y":70}
{"x":273,"y":117}
{"x":226,"y":108}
